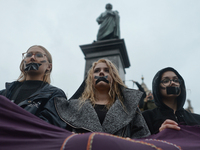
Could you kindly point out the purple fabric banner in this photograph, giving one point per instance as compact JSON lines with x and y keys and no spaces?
{"x":188,"y":138}
{"x":20,"y":130}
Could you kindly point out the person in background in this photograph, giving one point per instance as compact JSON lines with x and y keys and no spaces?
{"x":149,"y":102}
{"x":104,"y":104}
{"x":141,"y":102}
{"x":32,"y":91}
{"x":169,"y":93}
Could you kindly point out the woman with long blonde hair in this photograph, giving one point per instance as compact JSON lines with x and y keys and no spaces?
{"x":32,"y":91}
{"x":104,"y":104}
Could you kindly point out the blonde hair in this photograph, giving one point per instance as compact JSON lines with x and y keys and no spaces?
{"x":46,"y":77}
{"x":89,"y":91}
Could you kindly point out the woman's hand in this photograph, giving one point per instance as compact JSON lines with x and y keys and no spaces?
{"x":169,"y":124}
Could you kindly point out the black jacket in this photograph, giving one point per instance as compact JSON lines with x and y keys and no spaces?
{"x":141,"y":102}
{"x":154,"y":118}
{"x":41,"y":103}
{"x":125,"y":122}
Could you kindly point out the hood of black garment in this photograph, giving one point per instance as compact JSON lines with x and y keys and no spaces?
{"x":156,"y":89}
{"x":80,"y":90}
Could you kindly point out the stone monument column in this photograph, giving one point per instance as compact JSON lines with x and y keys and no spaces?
{"x":114,"y":50}
{"x":108,"y":44}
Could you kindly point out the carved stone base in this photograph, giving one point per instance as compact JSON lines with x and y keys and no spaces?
{"x":114,"y":50}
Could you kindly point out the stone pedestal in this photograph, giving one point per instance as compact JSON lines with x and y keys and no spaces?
{"x":114,"y":50}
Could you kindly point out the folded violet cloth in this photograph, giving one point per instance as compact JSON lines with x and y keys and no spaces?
{"x":21,"y":130}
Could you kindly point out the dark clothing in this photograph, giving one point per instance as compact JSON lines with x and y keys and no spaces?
{"x":101,"y":111}
{"x":125,"y":121}
{"x":154,"y":118}
{"x":26,"y":89}
{"x":40,"y":103}
{"x":141,"y":102}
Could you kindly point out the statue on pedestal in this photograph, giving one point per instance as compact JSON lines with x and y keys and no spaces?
{"x":109,"y":24}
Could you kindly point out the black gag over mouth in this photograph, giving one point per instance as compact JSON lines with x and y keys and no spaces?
{"x":32,"y":66}
{"x":104,"y":78}
{"x":173,"y":90}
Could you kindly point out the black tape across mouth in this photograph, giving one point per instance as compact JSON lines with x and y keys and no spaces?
{"x":104,"y":78}
{"x":32,"y":66}
{"x":173,"y":90}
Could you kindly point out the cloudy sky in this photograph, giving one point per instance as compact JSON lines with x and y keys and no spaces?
{"x":157,"y":34}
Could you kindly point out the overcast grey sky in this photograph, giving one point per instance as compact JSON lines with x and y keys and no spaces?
{"x":157,"y":34}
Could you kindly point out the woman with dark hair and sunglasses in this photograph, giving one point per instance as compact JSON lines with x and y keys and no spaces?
{"x":32,"y":91}
{"x":169,"y":94}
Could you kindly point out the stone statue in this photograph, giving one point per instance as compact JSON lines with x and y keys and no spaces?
{"x":109,"y":24}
